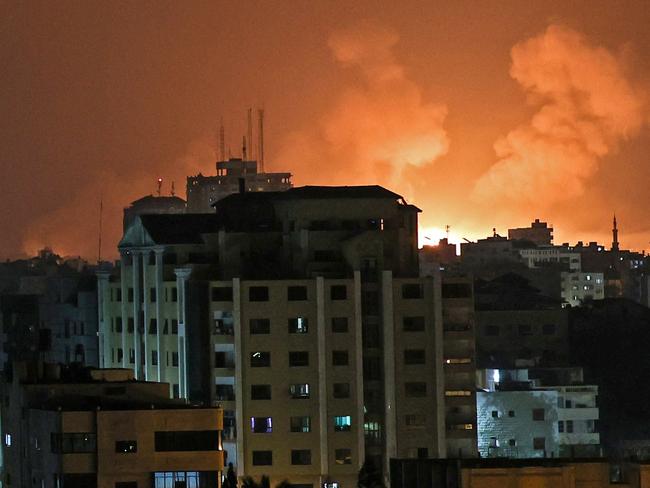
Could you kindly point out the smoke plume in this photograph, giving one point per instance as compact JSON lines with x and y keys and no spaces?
{"x":378,"y":127}
{"x":587,"y":103}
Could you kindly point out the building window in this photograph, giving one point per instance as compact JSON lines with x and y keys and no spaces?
{"x":74,"y":443}
{"x":341,"y":390}
{"x":174,"y":359}
{"x":560,"y":426}
{"x":120,"y":354}
{"x":298,"y":358}
{"x":258,"y":294}
{"x":296,"y":293}
{"x":456,"y":290}
{"x":512,"y":442}
{"x":538,"y":414}
{"x":492,"y":330}
{"x":539,"y":443}
{"x":152,"y":295}
{"x":118,"y":294}
{"x":126,"y":484}
{"x":342,"y":423}
{"x":415,"y":420}
{"x":343,"y":456}
{"x":126,"y":447}
{"x":154,"y":358}
{"x":413,"y":324}
{"x":414,"y":356}
{"x":299,"y":390}
{"x":225,"y":393}
{"x":511,"y":413}
{"x":260,"y":359}
{"x":423,"y":452}
{"x":300,"y":424}
{"x":339,"y":324}
{"x":118,"y":324}
{"x":525,"y":329}
{"x":186,"y":440}
{"x":412,"y":291}
{"x":174,"y":294}
{"x":569,"y":426}
{"x":495,"y":414}
{"x":298,"y":325}
{"x":338,"y":292}
{"x":153,"y":326}
{"x":132,"y":356}
{"x":222,"y":293}
{"x":260,"y":392}
{"x":372,"y":368}
{"x":340,"y":358}
{"x":130,"y":325}
{"x":415,"y":389}
{"x":260,"y":326}
{"x":548,"y":329}
{"x":262,"y":458}
{"x":174,"y":327}
{"x":300,"y":457}
{"x":261,"y":425}
{"x":130,"y":295}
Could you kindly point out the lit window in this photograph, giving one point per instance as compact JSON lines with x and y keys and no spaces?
{"x":342,"y":423}
{"x":261,"y":425}
{"x":8,"y":440}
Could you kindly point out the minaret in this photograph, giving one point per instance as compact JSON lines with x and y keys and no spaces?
{"x":615,"y":236}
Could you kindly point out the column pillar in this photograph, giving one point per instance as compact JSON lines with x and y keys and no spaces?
{"x":159,"y":316}
{"x":389,"y":368}
{"x":182,"y":275}
{"x":136,"y":313}
{"x":322,"y":377}
{"x":145,"y":312}
{"x":104,"y":336}
{"x":124,"y":290}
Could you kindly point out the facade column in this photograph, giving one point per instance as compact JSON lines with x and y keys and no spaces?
{"x":182,"y":275}
{"x":136,"y":313}
{"x":124,"y":290}
{"x":322,"y":377}
{"x":104,"y":336}
{"x":358,"y":339}
{"x":441,"y":427}
{"x":159,"y":316}
{"x":145,"y":312}
{"x":239,"y":372}
{"x":389,"y":368}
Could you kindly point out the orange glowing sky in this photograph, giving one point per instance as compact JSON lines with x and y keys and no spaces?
{"x":484,"y":114}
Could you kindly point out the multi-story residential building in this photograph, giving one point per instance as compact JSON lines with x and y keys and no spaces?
{"x":232,"y":176}
{"x":537,"y":413}
{"x":579,"y":287}
{"x":102,"y":429}
{"x":551,"y":256}
{"x":309,"y":297}
{"x":539,"y":233}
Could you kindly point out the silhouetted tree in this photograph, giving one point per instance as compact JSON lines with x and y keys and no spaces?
{"x":231,"y":478}
{"x":370,"y":476}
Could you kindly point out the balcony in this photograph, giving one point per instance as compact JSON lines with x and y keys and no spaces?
{"x":589,"y":413}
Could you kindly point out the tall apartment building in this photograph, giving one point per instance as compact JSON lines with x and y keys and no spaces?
{"x":302,"y":313}
{"x":232,"y":176}
{"x":539,"y":233}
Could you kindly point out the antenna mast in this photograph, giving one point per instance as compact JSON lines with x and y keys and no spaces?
{"x":99,"y":246}
{"x":222,"y":142}
{"x":260,"y":135}
{"x":249,"y":136}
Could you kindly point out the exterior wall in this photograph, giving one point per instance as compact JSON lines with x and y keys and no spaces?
{"x":578,"y":287}
{"x":518,"y":426}
{"x":536,"y":336}
{"x":541,"y":257}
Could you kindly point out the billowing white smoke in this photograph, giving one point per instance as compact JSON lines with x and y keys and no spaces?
{"x":376,"y":127}
{"x":588,"y":105}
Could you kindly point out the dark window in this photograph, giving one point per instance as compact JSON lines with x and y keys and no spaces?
{"x":339,"y":324}
{"x":298,"y":358}
{"x":560,"y":426}
{"x":338,"y":292}
{"x":225,"y":393}
{"x":174,"y":327}
{"x":569,"y":426}
{"x":539,"y":443}
{"x":222,"y":293}
{"x":525,"y":329}
{"x":414,"y":356}
{"x":300,"y":424}
{"x":412,"y":290}
{"x":343,"y":456}
{"x":260,"y":359}
{"x":262,"y":458}
{"x":153,"y":326}
{"x":260,"y":392}
{"x":511,"y":413}
{"x":456,"y":290}
{"x":423,"y":452}
{"x":538,"y":414}
{"x":73,"y":443}
{"x":370,"y":302}
{"x":548,"y":329}
{"x":152,"y":295}
{"x":299,"y":390}
{"x":258,"y":294}
{"x":261,"y":425}
{"x":130,"y":325}
{"x":174,"y":358}
{"x":174,"y":294}
{"x":341,"y":390}
{"x":326,"y":256}
{"x":371,"y":368}
{"x":118,"y":324}
{"x":187,"y":440}
{"x":298,"y":325}
{"x":370,"y":334}
{"x":118,"y":294}
{"x":130,"y":292}
{"x":300,"y":456}
{"x":154,"y":358}
{"x":340,"y":358}
{"x":413,"y":324}
{"x":125,"y":484}
{"x":415,"y":389}
{"x":296,"y":293}
{"x":495,"y":414}
{"x":260,"y":326}
{"x":126,"y":447}
{"x":492,"y":330}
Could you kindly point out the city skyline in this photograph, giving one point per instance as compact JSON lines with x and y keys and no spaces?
{"x":448,"y":105}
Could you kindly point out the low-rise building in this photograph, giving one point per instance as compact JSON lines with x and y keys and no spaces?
{"x":580,"y":287}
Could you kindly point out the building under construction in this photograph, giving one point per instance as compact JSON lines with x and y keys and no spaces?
{"x":235,"y":175}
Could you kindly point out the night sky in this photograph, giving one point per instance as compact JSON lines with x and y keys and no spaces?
{"x":484,"y":114}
